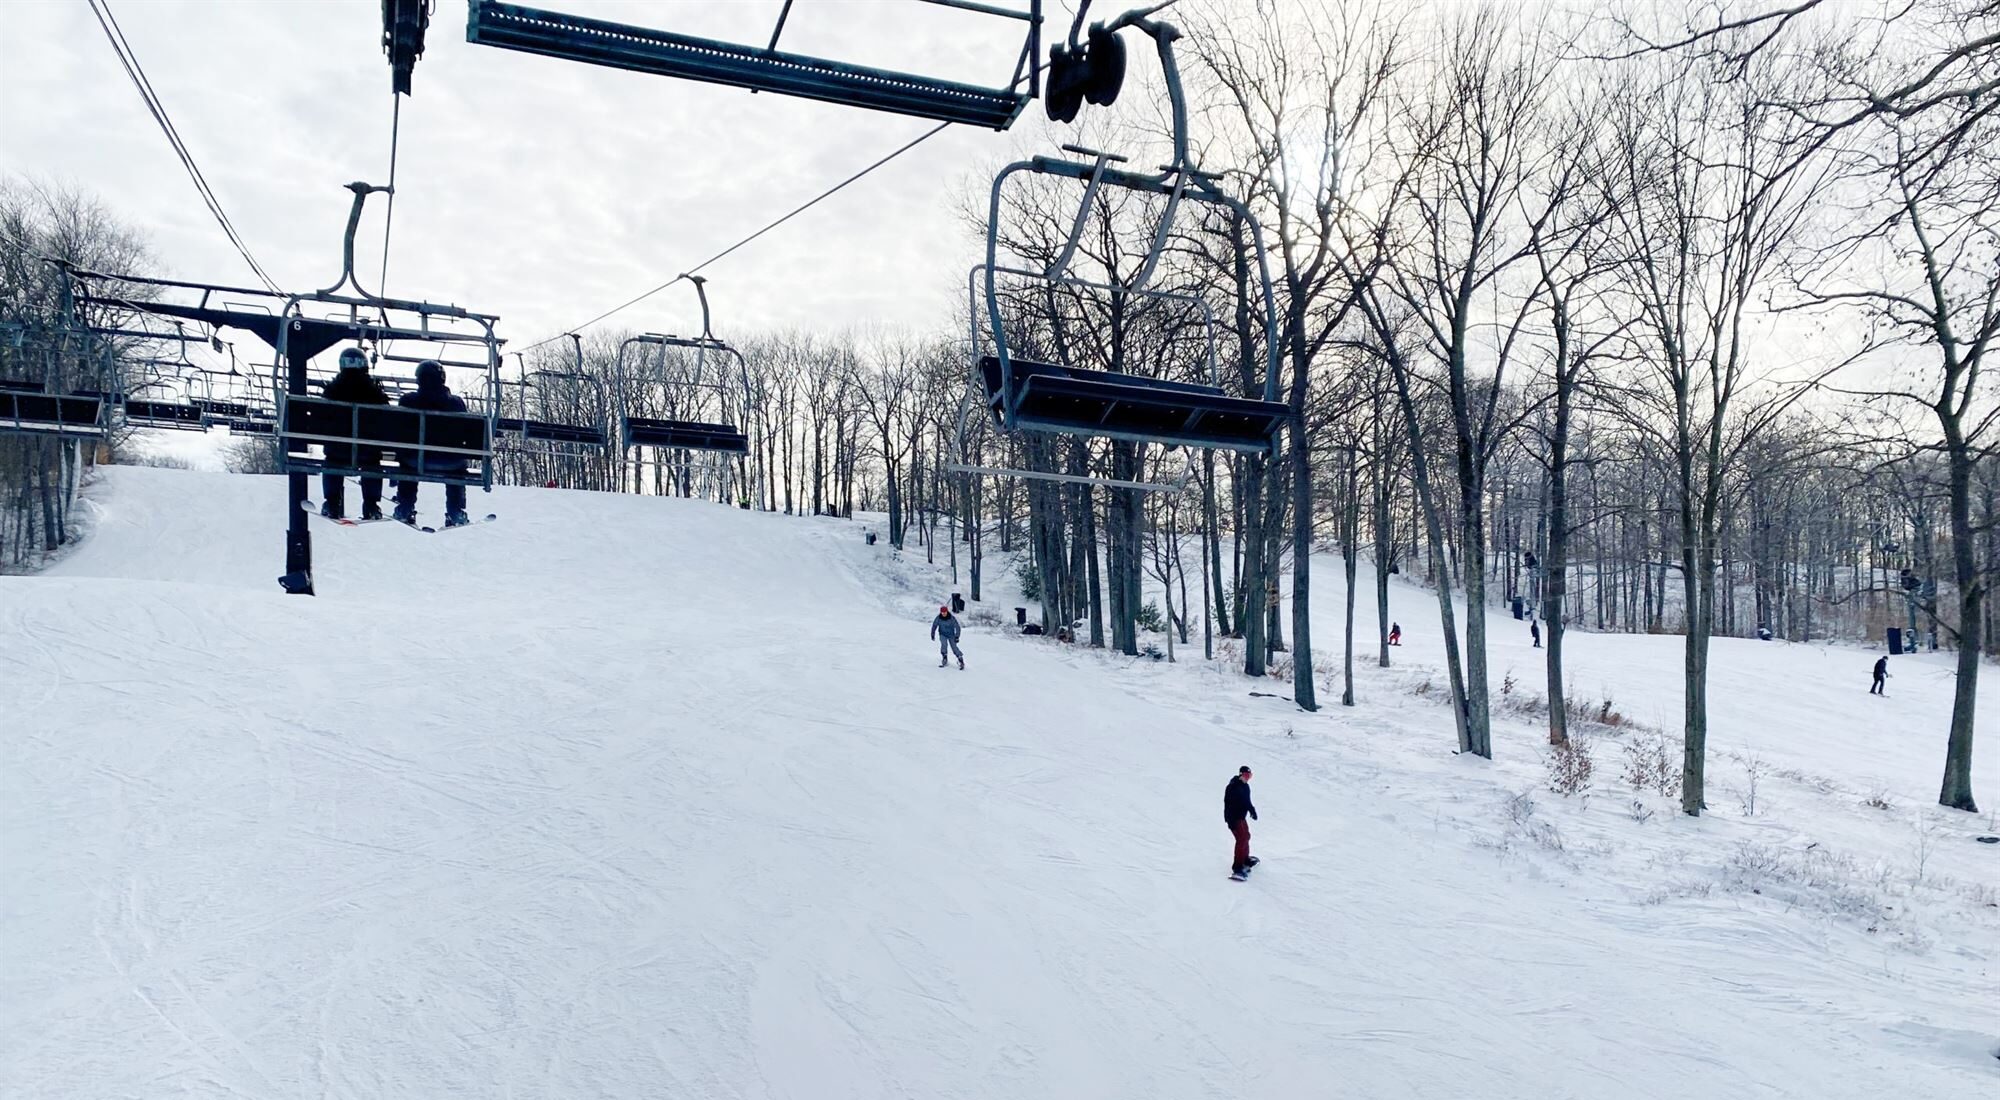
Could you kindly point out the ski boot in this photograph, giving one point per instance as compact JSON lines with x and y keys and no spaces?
{"x":406,"y":513}
{"x":371,"y":511}
{"x":457,"y":519}
{"x":1241,"y":874}
{"x":331,"y":510}
{"x":961,"y":664}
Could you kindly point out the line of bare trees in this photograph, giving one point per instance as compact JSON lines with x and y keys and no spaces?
{"x":1655,"y":322}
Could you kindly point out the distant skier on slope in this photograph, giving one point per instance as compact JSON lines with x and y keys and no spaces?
{"x":1395,"y":633}
{"x":1237,"y":813}
{"x":432,"y":395}
{"x":944,"y":629}
{"x":1535,"y":632}
{"x":353,"y":384}
{"x":1880,"y":687}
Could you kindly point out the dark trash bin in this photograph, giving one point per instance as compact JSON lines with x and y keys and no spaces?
{"x":1020,"y":616}
{"x":957,"y":604}
{"x":1895,"y":640}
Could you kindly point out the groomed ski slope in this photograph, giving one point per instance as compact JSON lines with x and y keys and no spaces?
{"x":626,"y":797}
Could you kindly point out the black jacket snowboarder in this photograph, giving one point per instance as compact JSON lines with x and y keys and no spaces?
{"x":354,"y":384}
{"x":1237,"y":813}
{"x":432,"y":395}
{"x":1879,"y":687}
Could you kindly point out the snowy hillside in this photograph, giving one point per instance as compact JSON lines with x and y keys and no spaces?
{"x":624,"y":797}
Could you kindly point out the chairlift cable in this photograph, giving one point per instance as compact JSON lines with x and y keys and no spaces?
{"x":795,"y":212}
{"x":389,"y":217}
{"x":130,"y":61}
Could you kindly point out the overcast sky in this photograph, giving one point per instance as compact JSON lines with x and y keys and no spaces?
{"x":542,"y":190}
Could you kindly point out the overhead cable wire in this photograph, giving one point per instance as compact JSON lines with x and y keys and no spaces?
{"x":130,"y":61}
{"x":389,"y":219}
{"x":793,"y":213}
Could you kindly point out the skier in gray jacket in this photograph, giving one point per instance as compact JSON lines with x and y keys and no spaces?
{"x":945,"y":629}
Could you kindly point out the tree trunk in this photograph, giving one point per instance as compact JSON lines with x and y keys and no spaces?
{"x":1956,"y":791}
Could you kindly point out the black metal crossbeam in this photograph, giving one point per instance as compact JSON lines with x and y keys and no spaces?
{"x":664,"y":53}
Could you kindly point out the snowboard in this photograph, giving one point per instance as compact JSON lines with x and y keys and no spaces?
{"x":1244,"y":874}
{"x":312,"y":508}
{"x":487,"y":518}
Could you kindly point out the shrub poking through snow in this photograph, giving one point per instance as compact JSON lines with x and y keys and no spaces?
{"x":1149,"y":618}
{"x":1571,"y":767}
{"x":1650,"y":765}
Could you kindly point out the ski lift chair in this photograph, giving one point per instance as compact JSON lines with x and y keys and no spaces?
{"x":688,"y":435}
{"x":452,"y":448}
{"x":26,"y":411}
{"x":1031,"y":395}
{"x":685,"y":435}
{"x":556,"y":435}
{"x":28,"y":408}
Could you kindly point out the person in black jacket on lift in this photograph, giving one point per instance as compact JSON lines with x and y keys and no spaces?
{"x":1237,"y":813}
{"x":432,"y":395}
{"x":353,"y":384}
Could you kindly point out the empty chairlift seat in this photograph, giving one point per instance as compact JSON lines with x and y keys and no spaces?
{"x":415,"y":441}
{"x":75,"y":416}
{"x":1052,"y":398}
{"x":548,"y":431}
{"x":690,"y":435}
{"x":162,"y":414}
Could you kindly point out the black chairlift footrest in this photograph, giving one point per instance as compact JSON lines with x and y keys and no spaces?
{"x":223,"y":411}
{"x":687,"y":435}
{"x":76,"y":415}
{"x":163,"y":414}
{"x":663,"y":53}
{"x":1053,"y":398}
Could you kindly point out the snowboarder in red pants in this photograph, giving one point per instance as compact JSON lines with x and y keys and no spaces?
{"x":1237,"y":813}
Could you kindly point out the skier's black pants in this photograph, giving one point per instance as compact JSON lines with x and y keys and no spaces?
{"x":406,"y":496}
{"x":334,"y":488}
{"x":1877,"y":688}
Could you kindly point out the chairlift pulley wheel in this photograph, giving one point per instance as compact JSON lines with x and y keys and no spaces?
{"x":1091,"y":71}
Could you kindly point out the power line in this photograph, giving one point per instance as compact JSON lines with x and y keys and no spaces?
{"x":116,"y":36}
{"x":793,"y":213}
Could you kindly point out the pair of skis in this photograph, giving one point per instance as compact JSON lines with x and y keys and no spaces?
{"x":313,"y":509}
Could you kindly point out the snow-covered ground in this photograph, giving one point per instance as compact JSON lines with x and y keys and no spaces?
{"x":639,"y":797}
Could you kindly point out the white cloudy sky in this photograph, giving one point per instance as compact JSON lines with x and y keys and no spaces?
{"x":542,"y":190}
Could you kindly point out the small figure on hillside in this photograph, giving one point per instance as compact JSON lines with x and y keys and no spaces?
{"x":1763,"y":633}
{"x":944,"y":629}
{"x":1535,"y":632}
{"x":353,"y":384}
{"x":432,"y":395}
{"x":1237,"y":813}
{"x":1881,"y":675}
{"x":1395,"y":633}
